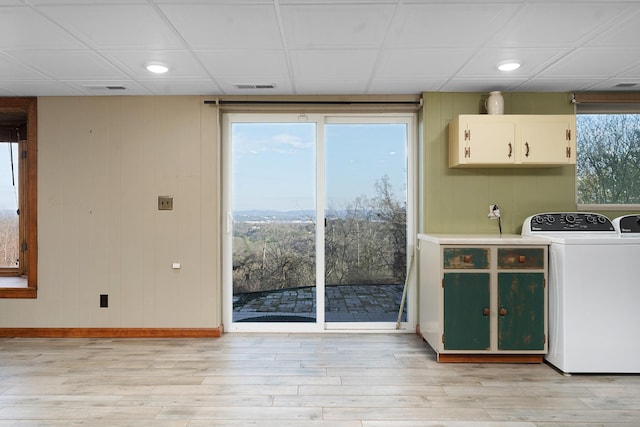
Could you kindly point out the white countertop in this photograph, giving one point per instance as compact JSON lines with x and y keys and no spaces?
{"x":483,"y":239}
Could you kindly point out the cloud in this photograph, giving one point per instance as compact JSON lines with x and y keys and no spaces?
{"x":282,"y":143}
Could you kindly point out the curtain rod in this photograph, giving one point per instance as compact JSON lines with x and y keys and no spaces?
{"x":222,"y":102}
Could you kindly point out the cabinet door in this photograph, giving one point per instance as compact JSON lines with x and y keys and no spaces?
{"x":491,"y":141}
{"x":481,"y":140}
{"x":547,"y":141}
{"x":466,"y":311}
{"x":521,"y":311}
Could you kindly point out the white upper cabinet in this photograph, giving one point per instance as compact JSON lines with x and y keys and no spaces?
{"x":512,"y":140}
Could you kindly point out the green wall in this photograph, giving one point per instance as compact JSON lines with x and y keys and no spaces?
{"x":457,"y":200}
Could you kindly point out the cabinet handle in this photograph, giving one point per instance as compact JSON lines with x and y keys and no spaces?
{"x":503,"y":312}
{"x":568,"y":152}
{"x":522,"y":259}
{"x":466,"y":258}
{"x":510,"y":150}
{"x":486,"y":312}
{"x":526,"y":146}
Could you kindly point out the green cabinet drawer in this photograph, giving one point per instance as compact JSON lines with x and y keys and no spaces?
{"x":466,"y":311}
{"x":471,"y":258}
{"x":521,"y":258}
{"x":521,"y":311}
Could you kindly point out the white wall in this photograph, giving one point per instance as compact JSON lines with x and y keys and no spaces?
{"x":102,"y":163}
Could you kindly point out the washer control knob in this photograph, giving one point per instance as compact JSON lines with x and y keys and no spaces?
{"x":538,"y":219}
{"x":570,"y":218}
{"x":591,"y":219}
{"x":551,"y":219}
{"x":602,"y":219}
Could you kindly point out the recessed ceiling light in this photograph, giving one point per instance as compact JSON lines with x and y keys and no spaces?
{"x":157,"y":68}
{"x":509,"y":66}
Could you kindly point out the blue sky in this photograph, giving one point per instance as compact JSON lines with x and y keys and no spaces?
{"x":274,"y":163}
{"x":8,"y":198}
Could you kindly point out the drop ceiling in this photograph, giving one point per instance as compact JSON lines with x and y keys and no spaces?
{"x":283,"y":47}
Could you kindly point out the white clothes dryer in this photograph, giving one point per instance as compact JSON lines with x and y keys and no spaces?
{"x":594,"y":292}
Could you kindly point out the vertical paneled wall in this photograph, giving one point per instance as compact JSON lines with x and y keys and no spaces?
{"x":457,"y":200}
{"x":103,"y":162}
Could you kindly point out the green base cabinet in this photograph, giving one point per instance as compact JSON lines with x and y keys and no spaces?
{"x":466,"y":308}
{"x":521,"y":311}
{"x":483,"y":296}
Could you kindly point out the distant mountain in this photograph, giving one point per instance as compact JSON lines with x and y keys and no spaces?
{"x":272,"y":215}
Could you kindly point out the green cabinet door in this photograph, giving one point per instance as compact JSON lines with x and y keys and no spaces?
{"x":466,"y":311}
{"x":521,"y":311}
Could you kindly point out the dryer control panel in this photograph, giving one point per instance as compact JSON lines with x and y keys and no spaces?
{"x":628,"y":225}
{"x":570,"y":221}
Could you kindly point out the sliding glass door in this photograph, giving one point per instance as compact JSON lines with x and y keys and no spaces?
{"x":366,"y":220}
{"x":317,"y":219}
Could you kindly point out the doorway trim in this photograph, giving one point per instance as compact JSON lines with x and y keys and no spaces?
{"x":227,"y":223}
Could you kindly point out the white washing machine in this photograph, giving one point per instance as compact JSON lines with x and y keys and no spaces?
{"x":594,"y":293}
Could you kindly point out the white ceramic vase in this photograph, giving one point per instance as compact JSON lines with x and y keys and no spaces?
{"x":494,"y":103}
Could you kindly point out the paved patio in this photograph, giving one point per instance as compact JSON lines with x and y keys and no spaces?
{"x":343,"y":303}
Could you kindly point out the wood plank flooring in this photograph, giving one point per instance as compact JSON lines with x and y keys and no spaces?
{"x":306,"y":380}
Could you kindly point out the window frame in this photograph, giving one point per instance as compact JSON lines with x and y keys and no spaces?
{"x":604,"y":109}
{"x":321,"y":117}
{"x":28,"y":179}
{"x":603,"y":103}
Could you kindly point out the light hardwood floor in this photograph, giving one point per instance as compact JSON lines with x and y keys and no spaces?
{"x":323,"y":380}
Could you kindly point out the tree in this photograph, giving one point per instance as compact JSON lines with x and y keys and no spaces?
{"x":608,"y":162}
{"x":365,"y":243}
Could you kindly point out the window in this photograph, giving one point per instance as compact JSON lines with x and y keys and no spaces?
{"x":608,"y":162}
{"x":18,"y":197}
{"x":608,"y":150}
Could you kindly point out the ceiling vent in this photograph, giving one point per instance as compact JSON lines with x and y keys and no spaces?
{"x":101,"y":87}
{"x":625,"y":85}
{"x":254,"y":86}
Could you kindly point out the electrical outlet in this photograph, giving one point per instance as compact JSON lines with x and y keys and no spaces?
{"x":494,"y":211}
{"x":104,"y":301}
{"x":165,"y":203}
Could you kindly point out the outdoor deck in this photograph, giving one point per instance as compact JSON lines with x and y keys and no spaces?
{"x":343,"y":303}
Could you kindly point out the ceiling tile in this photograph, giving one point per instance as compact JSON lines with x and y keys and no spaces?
{"x":336,"y":25}
{"x":481,"y":85}
{"x":11,"y":69}
{"x":38,"y":88}
{"x":331,"y":87}
{"x":405,"y":86}
{"x":556,"y":85}
{"x":340,"y":65}
{"x":437,"y":62}
{"x":182,"y":87}
{"x":564,"y":24}
{"x":448,"y":24}
{"x":217,"y":26}
{"x":485,"y":62}
{"x":24,"y":28}
{"x":593,"y":62}
{"x":116,"y":26}
{"x":625,"y":32}
{"x":61,"y":65}
{"x":266,"y":63}
{"x":181,"y":63}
